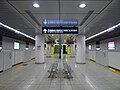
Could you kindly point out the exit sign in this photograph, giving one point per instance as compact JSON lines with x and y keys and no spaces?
{"x":60,"y":30}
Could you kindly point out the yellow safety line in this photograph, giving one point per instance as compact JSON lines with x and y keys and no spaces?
{"x":17,"y":66}
{"x":91,"y":61}
{"x":110,"y":69}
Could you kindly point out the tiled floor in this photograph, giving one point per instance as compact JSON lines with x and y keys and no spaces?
{"x":89,"y":76}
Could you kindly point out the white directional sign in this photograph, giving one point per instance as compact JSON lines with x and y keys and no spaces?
{"x":60,"y":30}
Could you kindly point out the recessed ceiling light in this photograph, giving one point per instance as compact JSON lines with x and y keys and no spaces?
{"x":36,"y":5}
{"x":82,"y":5}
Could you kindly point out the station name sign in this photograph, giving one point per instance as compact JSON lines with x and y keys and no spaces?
{"x":49,"y":22}
{"x":60,"y":30}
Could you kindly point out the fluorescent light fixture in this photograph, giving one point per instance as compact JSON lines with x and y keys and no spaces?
{"x":107,"y":30}
{"x":36,"y":5}
{"x":0,"y":48}
{"x":90,"y":47}
{"x":82,"y":5}
{"x":97,"y":49}
{"x":26,"y":48}
{"x":16,"y":31}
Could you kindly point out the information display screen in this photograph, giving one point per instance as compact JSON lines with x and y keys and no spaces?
{"x":111,"y":45}
{"x":16,"y":45}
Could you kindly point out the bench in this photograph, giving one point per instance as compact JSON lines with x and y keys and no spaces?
{"x":67,"y":71}
{"x":53,"y":70}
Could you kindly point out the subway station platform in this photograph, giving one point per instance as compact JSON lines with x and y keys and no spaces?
{"x":31,"y":76}
{"x":59,"y":44}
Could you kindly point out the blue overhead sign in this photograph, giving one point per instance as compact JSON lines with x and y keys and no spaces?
{"x":49,"y":22}
{"x":60,"y":30}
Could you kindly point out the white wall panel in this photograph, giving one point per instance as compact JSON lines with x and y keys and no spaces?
{"x":7,"y":60}
{"x":102,"y":57}
{"x":32,"y":54}
{"x":27,"y":56}
{"x":114,"y":59}
{"x":13,"y":57}
{"x":1,"y":60}
{"x":113,"y":55}
{"x":90,"y":55}
{"x":8,"y":43}
{"x":18,"y":56}
{"x":94,"y":55}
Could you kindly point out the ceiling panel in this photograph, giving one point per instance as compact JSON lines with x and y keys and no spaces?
{"x":9,"y":17}
{"x":40,"y":17}
{"x":107,"y":19}
{"x":108,"y":35}
{"x":11,"y":34}
{"x":69,"y":9}
{"x":73,"y":6}
{"x":45,"y":6}
{"x":78,"y":17}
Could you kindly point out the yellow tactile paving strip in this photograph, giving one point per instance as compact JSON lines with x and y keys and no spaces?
{"x":110,"y":69}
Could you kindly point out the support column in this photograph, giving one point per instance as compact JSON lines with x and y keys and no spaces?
{"x":80,"y":50}
{"x":39,"y":50}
